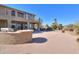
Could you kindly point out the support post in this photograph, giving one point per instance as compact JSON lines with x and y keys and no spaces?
{"x":28,"y":25}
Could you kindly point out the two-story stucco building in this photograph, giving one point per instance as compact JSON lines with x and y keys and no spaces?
{"x":17,"y":19}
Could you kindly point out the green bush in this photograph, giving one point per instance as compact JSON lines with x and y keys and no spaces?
{"x":76,"y":27}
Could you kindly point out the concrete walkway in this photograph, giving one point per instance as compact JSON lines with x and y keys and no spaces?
{"x":45,"y":42}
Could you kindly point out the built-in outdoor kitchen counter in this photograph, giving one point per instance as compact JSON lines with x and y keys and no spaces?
{"x":18,"y":37}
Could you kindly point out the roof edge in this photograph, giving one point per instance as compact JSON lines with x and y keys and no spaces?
{"x":16,"y":9}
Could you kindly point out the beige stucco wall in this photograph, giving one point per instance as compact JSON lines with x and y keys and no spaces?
{"x":5,"y":14}
{"x":4,"y":10}
{"x":21,"y":36}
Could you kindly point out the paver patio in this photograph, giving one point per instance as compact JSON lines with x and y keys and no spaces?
{"x":45,"y":42}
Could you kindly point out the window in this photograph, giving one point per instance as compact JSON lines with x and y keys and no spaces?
{"x":20,"y":14}
{"x":30,"y":17}
{"x":12,"y":13}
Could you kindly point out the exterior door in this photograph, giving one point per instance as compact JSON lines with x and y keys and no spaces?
{"x":21,"y":26}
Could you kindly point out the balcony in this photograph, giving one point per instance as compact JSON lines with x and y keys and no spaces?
{"x":2,"y":16}
{"x":14,"y":18}
{"x":8,"y":17}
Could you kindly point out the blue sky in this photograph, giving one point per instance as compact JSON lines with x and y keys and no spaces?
{"x":65,"y":13}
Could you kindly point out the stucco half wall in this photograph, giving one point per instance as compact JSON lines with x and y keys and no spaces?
{"x":20,"y":36}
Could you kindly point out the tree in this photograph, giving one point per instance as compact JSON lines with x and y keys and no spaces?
{"x":60,"y":26}
{"x":47,"y":26}
{"x":55,"y":21}
{"x":54,"y":25}
{"x":40,"y":22}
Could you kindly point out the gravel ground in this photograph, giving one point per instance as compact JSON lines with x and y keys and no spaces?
{"x":45,"y":43}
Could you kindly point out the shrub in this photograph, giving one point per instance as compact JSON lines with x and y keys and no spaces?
{"x":77,"y":39}
{"x":77,"y":31}
{"x":63,"y":31}
{"x":76,"y":27}
{"x":60,"y":26}
{"x":71,"y":29}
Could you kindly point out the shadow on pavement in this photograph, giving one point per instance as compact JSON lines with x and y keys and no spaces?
{"x":39,"y":40}
{"x":35,"y":32}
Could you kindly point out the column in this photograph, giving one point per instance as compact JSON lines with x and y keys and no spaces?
{"x":9,"y":23}
{"x":28,"y":25}
{"x":9,"y":19}
{"x":33,"y":26}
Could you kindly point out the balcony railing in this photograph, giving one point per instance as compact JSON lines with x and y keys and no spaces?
{"x":2,"y":16}
{"x":7,"y":17}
